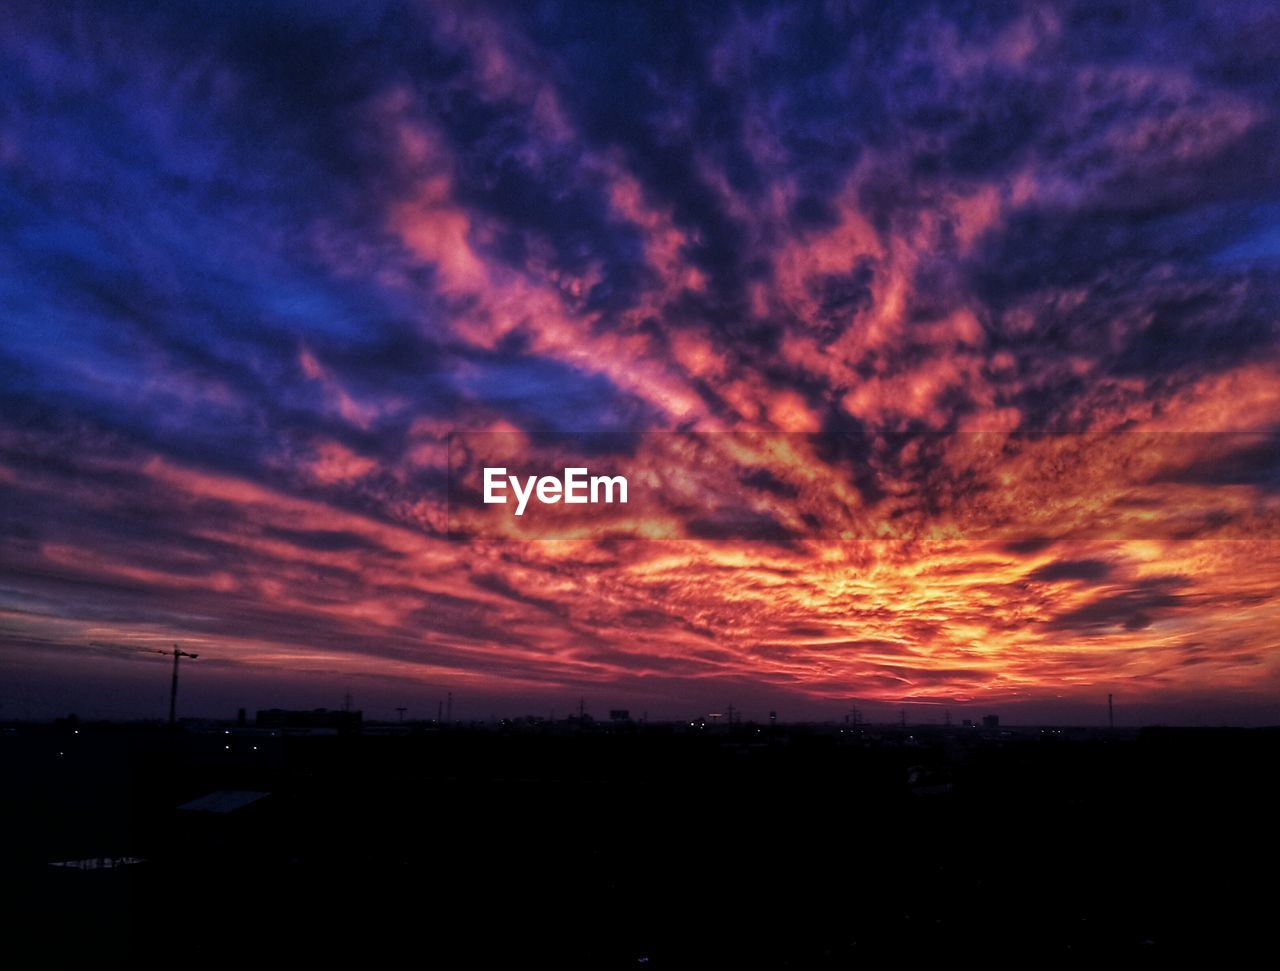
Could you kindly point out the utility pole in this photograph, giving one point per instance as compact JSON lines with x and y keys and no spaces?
{"x":1111,"y":713}
{"x":402,"y":711}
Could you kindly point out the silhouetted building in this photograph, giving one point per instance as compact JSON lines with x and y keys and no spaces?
{"x":990,"y":721}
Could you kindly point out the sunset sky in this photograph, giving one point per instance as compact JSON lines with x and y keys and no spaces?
{"x":922,"y":325}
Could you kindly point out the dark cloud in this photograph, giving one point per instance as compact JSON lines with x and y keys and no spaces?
{"x":1071,"y":570}
{"x":1132,"y":608}
{"x":1237,"y":460}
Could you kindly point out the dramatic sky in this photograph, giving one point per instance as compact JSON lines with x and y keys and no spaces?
{"x":923,"y":323}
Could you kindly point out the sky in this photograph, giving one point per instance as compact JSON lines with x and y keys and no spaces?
{"x":940,"y":341}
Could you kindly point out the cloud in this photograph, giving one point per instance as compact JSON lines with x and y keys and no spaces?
{"x":259,"y":265}
{"x":1131,"y":608}
{"x":1071,"y":570}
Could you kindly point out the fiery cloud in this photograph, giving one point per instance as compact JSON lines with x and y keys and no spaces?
{"x":836,"y":267}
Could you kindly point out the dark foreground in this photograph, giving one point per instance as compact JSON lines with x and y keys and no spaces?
{"x":803,"y":849}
